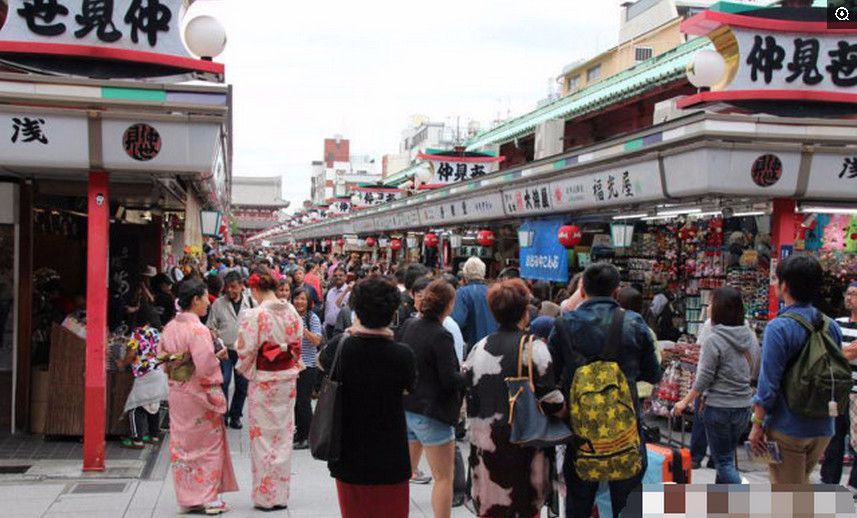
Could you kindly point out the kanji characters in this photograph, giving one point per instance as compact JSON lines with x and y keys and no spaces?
{"x":477,"y":171}
{"x":150,"y":19}
{"x":612,"y":191}
{"x":142,"y":142}
{"x":627,"y":190}
{"x":40,"y":16}
{"x":460,"y":172}
{"x":805,"y":62}
{"x":843,"y":64}
{"x":545,"y":198}
{"x":598,"y":189}
{"x":445,"y":171}
{"x":537,"y":201}
{"x":765,"y":57}
{"x":849,"y":168}
{"x":97,"y":14}
{"x":527,"y":200}
{"x":26,"y":130}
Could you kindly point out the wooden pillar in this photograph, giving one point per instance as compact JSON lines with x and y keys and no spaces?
{"x":97,"y":245}
{"x":783,"y":237}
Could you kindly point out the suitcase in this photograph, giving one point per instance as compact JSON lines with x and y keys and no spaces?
{"x":669,"y":461}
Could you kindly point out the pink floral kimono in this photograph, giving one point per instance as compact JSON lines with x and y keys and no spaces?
{"x":200,"y":456}
{"x":271,"y":396}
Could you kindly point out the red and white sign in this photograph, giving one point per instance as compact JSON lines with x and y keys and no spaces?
{"x":363,"y":197}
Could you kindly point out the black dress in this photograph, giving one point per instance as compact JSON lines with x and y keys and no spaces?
{"x":508,"y":480}
{"x":375,"y":373}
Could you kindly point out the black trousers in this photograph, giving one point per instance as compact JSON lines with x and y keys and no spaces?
{"x":143,"y":423}
{"x":831,"y":468}
{"x":303,"y":405}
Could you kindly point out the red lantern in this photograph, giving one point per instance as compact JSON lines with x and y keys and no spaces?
{"x":340,"y":242}
{"x":395,"y":245}
{"x":370,"y":242}
{"x":485,"y":238}
{"x":431,"y":240}
{"x":570,"y":236}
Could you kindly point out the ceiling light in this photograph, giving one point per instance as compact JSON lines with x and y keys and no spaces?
{"x":828,"y":209}
{"x":630,"y":216}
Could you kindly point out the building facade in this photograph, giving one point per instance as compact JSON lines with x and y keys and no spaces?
{"x":256,"y":202}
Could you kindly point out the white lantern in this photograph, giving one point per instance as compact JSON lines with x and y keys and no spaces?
{"x":455,"y":240}
{"x":407,"y":186}
{"x":424,"y":175}
{"x":383,"y":242}
{"x":205,"y":37}
{"x":412,"y":241}
{"x":356,"y":199}
{"x":706,"y":69}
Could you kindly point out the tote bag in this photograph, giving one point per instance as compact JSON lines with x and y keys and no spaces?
{"x":325,"y":431}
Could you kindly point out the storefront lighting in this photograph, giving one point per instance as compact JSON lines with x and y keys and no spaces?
{"x":677,"y":212}
{"x":624,"y":217}
{"x":827,"y":209}
{"x":205,"y":37}
{"x":210,"y":222}
{"x":706,"y":69}
{"x":750,"y":214}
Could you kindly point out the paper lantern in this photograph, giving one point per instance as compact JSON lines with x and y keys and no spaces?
{"x":395,"y":245}
{"x":370,"y":242}
{"x":205,"y":37}
{"x":570,"y":236}
{"x":485,"y":238}
{"x":340,"y":242}
{"x":431,"y":240}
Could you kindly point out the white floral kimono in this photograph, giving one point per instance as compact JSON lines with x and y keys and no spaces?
{"x":271,"y":396}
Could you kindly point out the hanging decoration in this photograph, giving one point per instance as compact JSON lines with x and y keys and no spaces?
{"x":340,"y":242}
{"x":485,"y":238}
{"x":371,"y":242}
{"x":431,"y":240}
{"x":395,"y":245}
{"x":570,"y":235}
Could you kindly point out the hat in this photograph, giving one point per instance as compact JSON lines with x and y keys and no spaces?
{"x":292,"y":256}
{"x":149,"y":271}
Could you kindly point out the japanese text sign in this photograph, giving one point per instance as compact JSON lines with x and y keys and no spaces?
{"x":546,"y":259}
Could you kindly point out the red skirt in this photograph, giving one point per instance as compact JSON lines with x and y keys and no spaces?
{"x":389,"y":501}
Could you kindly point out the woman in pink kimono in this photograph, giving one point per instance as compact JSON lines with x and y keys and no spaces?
{"x":269,"y":351}
{"x":200,"y":456}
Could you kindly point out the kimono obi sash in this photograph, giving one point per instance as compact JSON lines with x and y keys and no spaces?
{"x":273,"y":358}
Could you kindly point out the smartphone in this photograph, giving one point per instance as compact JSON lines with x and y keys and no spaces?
{"x":218,"y":345}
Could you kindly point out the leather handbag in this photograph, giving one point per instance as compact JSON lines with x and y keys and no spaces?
{"x":325,"y":431}
{"x":530,"y":426}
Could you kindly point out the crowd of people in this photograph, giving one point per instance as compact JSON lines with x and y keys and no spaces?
{"x":424,"y":359}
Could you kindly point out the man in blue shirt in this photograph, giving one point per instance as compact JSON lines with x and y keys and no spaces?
{"x":471,"y":311}
{"x":801,"y":439}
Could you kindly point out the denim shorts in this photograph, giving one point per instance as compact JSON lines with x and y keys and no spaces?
{"x":428,"y":431}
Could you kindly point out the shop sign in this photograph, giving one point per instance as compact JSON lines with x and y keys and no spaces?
{"x":408,"y":219}
{"x":767,"y":170}
{"x":628,"y":185}
{"x":148,"y":31}
{"x":452,"y":168}
{"x":364,"y":225}
{"x":833,"y":176}
{"x":546,"y":259}
{"x":771,"y":59}
{"x":533,"y":199}
{"x":370,"y":197}
{"x":159,"y":146}
{"x":43,"y":139}
{"x":339,"y":206}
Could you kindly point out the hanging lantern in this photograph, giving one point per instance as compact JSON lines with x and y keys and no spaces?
{"x":570,"y":235}
{"x":412,"y":241}
{"x":340,"y":242}
{"x":431,"y":240}
{"x":370,"y":242}
{"x":485,"y":238}
{"x":395,"y":245}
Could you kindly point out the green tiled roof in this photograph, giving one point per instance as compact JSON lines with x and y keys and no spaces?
{"x":665,"y":68}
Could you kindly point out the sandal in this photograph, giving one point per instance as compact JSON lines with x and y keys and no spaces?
{"x":132,"y":444}
{"x":216,"y":508}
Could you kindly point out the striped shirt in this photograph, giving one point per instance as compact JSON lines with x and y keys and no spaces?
{"x":308,"y":350}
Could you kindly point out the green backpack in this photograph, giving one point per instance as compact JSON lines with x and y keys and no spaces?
{"x":606,"y":443}
{"x":818,"y":374}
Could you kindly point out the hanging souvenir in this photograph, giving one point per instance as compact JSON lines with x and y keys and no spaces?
{"x":851,"y":236}
{"x":815,"y":235}
{"x":834,"y":234}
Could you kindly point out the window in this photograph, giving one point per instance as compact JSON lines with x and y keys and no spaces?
{"x":642,"y":53}
{"x":593,"y":74}
{"x":573,"y":83}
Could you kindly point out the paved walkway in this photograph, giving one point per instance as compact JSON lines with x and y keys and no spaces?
{"x":37,"y":495}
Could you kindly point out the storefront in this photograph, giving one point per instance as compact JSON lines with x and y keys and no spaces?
{"x":99,"y":178}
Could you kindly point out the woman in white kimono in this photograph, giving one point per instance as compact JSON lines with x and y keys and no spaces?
{"x":269,"y":351}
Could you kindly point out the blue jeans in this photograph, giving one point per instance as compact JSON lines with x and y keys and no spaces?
{"x":724,"y":427}
{"x":698,"y":442}
{"x":236,"y":409}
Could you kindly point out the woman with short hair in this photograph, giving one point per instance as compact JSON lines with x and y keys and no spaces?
{"x":432,"y":409}
{"x":508,"y":480}
{"x":202,"y":466}
{"x":728,"y":362}
{"x":373,"y":468}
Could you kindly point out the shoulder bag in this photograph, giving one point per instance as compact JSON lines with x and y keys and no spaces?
{"x":325,"y":431}
{"x":530,"y":426}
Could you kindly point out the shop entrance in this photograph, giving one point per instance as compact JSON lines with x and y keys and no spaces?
{"x":7,"y":324}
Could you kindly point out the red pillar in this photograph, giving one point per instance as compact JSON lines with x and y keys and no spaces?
{"x":94,"y":411}
{"x":783,"y":237}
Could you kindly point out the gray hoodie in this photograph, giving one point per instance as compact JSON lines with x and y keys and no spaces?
{"x":724,"y":372}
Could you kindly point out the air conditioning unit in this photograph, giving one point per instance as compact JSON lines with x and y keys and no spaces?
{"x":549,"y":138}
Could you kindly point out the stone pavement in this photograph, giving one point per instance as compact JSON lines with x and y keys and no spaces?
{"x":36,"y":495}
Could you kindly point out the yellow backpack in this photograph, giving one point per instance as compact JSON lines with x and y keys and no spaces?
{"x":603,"y":415}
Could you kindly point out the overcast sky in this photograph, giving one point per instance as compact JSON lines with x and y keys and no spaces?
{"x":306,"y":70}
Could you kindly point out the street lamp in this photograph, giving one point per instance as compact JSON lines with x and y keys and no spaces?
{"x":706,"y":69}
{"x":205,"y":37}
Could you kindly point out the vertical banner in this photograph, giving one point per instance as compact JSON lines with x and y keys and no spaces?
{"x":546,"y":259}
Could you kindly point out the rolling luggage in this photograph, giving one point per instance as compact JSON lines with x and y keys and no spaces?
{"x":669,"y":462}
